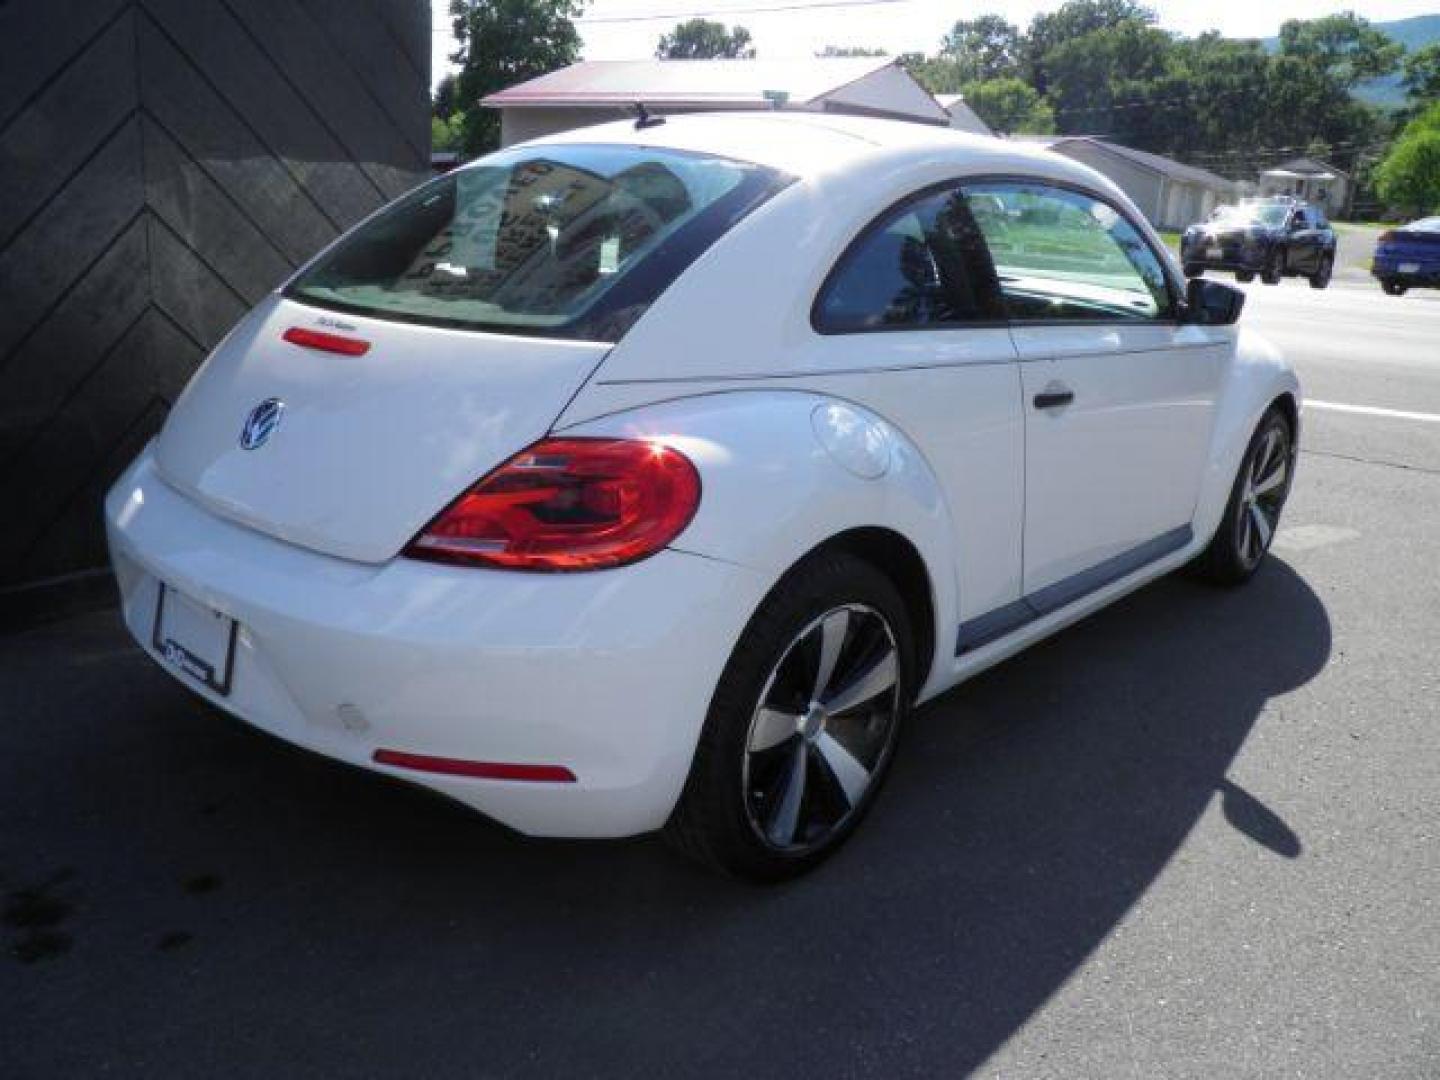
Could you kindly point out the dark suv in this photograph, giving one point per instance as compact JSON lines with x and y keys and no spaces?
{"x":1273,"y":238}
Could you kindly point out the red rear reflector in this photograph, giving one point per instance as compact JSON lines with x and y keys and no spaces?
{"x":568,"y":504}
{"x":317,"y":339}
{"x":485,"y":770}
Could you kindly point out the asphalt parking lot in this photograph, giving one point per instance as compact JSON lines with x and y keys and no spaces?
{"x":1197,"y":835}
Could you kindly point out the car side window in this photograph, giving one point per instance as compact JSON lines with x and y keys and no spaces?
{"x":1065,"y":255}
{"x":1300,"y":221}
{"x":917,"y":266}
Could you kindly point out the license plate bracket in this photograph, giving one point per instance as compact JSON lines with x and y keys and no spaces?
{"x":194,"y":639}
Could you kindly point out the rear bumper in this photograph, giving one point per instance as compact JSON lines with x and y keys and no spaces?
{"x":608,"y":674}
{"x":1425,"y":275}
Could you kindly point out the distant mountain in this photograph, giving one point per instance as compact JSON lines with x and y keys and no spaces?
{"x":1414,"y":33}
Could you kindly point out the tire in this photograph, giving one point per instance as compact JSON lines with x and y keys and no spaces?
{"x":1244,"y":276}
{"x":1321,"y":279}
{"x":1194,"y":270}
{"x":740,"y":812}
{"x":1274,"y":268}
{"x":1241,"y":541}
{"x":1393,"y":287}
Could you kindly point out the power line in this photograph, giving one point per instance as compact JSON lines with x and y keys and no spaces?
{"x":717,"y":12}
{"x":758,"y":9}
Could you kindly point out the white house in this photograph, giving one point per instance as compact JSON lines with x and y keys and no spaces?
{"x":1313,"y":181}
{"x":594,"y":91}
{"x":962,"y":116}
{"x":1171,"y":195}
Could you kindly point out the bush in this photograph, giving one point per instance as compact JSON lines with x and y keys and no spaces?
{"x":1409,"y":177}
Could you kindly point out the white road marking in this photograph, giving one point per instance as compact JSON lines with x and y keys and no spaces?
{"x":1308,"y":537}
{"x":1370,"y":410}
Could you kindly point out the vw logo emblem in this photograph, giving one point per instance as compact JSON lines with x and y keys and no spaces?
{"x":262,"y":422}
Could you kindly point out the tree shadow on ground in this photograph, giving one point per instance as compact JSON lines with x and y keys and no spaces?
{"x":350,"y":925}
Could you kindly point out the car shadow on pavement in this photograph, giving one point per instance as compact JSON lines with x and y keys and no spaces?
{"x":230,"y":906}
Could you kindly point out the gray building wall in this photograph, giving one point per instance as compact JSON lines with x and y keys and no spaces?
{"x":1144,"y":186}
{"x":163,"y":165}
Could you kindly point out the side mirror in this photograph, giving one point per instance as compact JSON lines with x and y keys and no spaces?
{"x":1209,"y":303}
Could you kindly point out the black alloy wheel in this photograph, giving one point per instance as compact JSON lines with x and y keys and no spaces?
{"x":1252,"y":516}
{"x":803,"y":724}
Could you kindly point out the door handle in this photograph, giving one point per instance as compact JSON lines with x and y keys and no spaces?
{"x":1054,"y":397}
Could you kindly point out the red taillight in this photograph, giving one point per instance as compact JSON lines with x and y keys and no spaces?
{"x":317,"y":339}
{"x":568,"y":504}
{"x":484,"y":770}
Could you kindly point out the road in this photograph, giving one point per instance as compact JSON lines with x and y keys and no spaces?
{"x":1195,"y":836}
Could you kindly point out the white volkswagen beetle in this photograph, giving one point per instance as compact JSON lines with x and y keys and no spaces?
{"x":646,"y":476}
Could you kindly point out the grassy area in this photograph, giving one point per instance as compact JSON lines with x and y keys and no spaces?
{"x":1368,"y":226}
{"x":1172,"y":240}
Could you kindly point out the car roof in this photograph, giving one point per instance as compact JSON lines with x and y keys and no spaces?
{"x":813,"y":145}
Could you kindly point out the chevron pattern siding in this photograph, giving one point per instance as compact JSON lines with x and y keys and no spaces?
{"x":163,"y":165}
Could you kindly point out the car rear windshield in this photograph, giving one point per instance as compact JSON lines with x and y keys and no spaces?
{"x":566,"y":241}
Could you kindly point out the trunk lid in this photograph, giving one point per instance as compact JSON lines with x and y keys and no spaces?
{"x":368,"y":448}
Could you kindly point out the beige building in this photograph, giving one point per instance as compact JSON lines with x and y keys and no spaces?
{"x":594,"y":91}
{"x":1169,"y":194}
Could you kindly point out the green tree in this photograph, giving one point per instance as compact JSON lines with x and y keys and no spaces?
{"x":938,"y":74}
{"x":1409,"y":177}
{"x":1422,"y":73}
{"x":1209,"y":107}
{"x":446,"y":134}
{"x":1085,"y":91}
{"x":1346,"y":46}
{"x":1072,"y":20}
{"x":1010,"y":106}
{"x":983,"y":48}
{"x":701,"y":39}
{"x":501,"y":43}
{"x":1318,"y":150}
{"x":443,"y":102}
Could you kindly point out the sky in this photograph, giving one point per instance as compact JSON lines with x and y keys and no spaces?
{"x":902,"y":25}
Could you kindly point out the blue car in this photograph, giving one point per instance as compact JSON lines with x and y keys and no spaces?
{"x":1409,"y":257}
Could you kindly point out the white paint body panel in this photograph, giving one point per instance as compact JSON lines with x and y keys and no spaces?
{"x":370,"y":447}
{"x":580,"y":670}
{"x":797,"y":437}
{"x":1123,"y":463}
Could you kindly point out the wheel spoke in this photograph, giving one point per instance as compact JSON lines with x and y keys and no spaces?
{"x":852,"y":777}
{"x":833,"y":630}
{"x":876,"y":679}
{"x":1262,"y":457}
{"x":770,"y":728}
{"x":1262,"y":526}
{"x":787,"y":814}
{"x":1272,"y":481}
